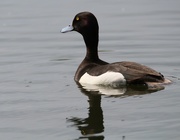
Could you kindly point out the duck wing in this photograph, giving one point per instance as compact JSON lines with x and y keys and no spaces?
{"x":133,"y":72}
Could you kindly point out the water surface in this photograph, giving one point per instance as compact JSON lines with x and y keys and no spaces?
{"x":38,"y":96}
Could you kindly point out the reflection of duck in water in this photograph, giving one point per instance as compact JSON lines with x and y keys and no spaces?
{"x":120,"y":91}
{"x":94,"y":71}
{"x":93,"y":124}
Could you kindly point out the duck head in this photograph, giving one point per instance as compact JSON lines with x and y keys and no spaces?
{"x":85,"y":23}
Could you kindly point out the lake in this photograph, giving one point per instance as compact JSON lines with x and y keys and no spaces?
{"x":38,"y":96}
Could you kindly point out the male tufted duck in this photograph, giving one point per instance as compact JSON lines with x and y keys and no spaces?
{"x":95,"y":71}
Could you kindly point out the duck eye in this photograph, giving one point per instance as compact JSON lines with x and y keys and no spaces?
{"x":77,"y":18}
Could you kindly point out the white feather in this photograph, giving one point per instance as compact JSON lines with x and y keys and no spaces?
{"x":109,"y":78}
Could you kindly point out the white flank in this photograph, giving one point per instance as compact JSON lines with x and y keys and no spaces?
{"x":109,"y":78}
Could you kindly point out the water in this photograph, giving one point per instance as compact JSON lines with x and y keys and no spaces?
{"x":40,"y":100}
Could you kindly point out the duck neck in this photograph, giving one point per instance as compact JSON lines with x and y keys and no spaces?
{"x":91,"y":47}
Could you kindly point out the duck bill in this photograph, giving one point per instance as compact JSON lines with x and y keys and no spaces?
{"x":66,"y":29}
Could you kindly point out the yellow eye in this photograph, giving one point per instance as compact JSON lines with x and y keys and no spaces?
{"x":77,"y":18}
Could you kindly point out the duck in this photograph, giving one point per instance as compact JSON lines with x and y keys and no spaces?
{"x":94,"y":71}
